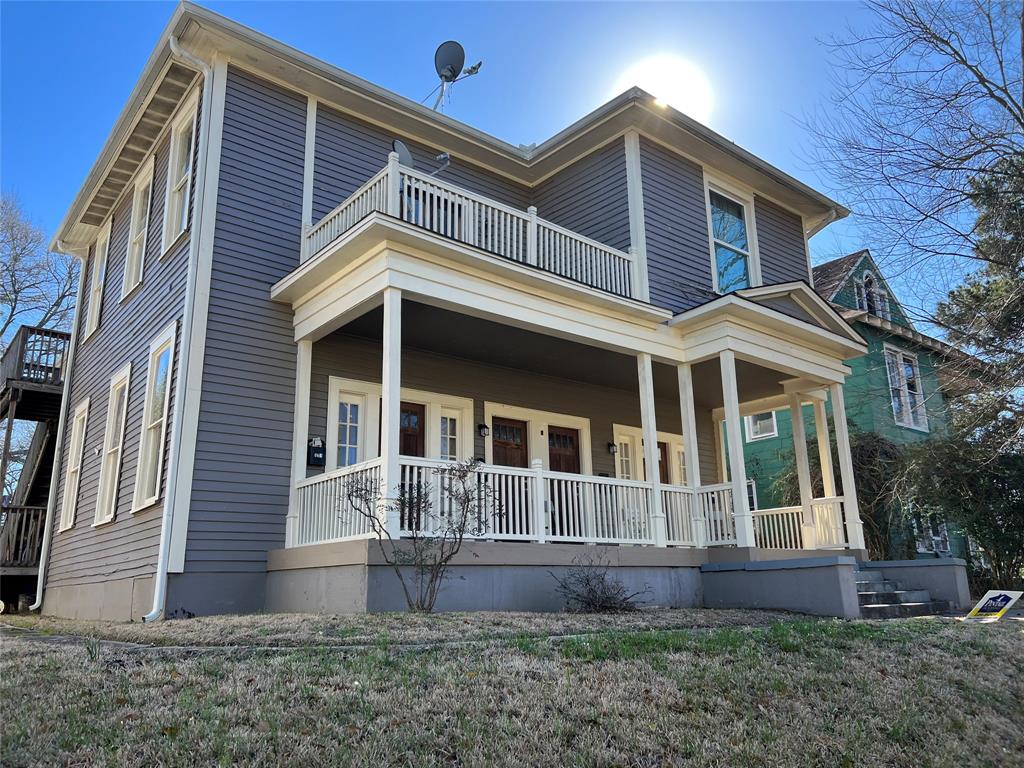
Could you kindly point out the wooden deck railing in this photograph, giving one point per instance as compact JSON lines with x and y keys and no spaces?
{"x":36,"y":355}
{"x":464,"y":216}
{"x":21,"y":536}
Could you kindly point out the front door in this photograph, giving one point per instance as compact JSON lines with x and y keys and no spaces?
{"x":508,"y":443}
{"x":564,"y":449}
{"x":412,"y":430}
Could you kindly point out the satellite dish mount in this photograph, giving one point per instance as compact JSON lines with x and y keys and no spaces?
{"x":449,"y":59}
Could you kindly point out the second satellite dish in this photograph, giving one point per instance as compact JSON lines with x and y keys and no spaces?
{"x":404,"y":155}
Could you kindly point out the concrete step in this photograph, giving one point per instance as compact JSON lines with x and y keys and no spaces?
{"x":891,"y":597}
{"x":904,"y":610}
{"x":867,"y":575}
{"x":883,"y":585}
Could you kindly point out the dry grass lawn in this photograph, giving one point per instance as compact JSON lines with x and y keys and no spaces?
{"x":763,"y":691}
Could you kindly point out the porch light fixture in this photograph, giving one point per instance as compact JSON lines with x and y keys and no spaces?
{"x":613,"y":448}
{"x":483,"y":430}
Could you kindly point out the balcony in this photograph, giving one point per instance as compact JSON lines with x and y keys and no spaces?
{"x":465,"y":217}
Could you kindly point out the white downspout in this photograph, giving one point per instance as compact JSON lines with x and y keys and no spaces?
{"x":160,"y":577}
{"x":51,"y":498}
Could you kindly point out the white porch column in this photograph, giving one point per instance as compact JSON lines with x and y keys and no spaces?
{"x":391,"y":402}
{"x":854,"y":527}
{"x":690,"y":455}
{"x":803,"y":469}
{"x":300,"y":435}
{"x":737,"y":467}
{"x":645,"y":374}
{"x":828,"y":480}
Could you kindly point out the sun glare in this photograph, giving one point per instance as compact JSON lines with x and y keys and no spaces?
{"x":673,"y":81}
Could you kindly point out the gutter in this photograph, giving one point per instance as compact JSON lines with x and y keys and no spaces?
{"x":831,"y":216}
{"x":51,"y":498}
{"x":160,"y":577}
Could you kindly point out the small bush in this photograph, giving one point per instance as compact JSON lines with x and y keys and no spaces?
{"x":589,"y":587}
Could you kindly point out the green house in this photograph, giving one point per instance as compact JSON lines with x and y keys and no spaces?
{"x":895,"y":389}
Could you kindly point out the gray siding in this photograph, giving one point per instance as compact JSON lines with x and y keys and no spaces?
{"x":240,"y":486}
{"x":780,"y":243}
{"x":350,"y":151}
{"x":86,"y":558}
{"x":590,"y":197}
{"x":675,"y":215}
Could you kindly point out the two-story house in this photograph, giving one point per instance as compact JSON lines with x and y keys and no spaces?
{"x":896,"y":390}
{"x":260,"y":272}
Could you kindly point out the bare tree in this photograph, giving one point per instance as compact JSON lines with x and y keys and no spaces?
{"x":435,"y":525}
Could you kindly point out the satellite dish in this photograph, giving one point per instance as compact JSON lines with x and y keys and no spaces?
{"x":404,"y":155}
{"x":449,"y":59}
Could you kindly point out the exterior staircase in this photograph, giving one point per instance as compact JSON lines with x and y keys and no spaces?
{"x":881,"y":598}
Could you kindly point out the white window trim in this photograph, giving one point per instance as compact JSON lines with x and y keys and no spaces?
{"x":186,"y":116}
{"x":746,"y":199}
{"x":634,"y":436}
{"x":139,"y":208}
{"x":112,"y":430}
{"x":882,"y":302}
{"x":69,"y":503}
{"x":435,"y":404}
{"x":748,"y":428}
{"x":537,"y":423}
{"x":908,"y":423}
{"x":97,"y":283}
{"x":164,"y":340}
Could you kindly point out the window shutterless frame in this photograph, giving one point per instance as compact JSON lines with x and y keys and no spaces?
{"x":73,"y":475}
{"x":138,"y":230}
{"x":97,"y":280}
{"x":113,"y":446}
{"x":906,"y":389}
{"x":179,"y":173}
{"x":759,"y":428}
{"x":149,"y":474}
{"x":732,"y":194}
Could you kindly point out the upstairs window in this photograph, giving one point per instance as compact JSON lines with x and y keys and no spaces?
{"x":154,"y":419}
{"x":138,"y":230}
{"x":731,"y":247}
{"x":97,"y":278}
{"x":905,"y":389}
{"x":179,"y":174}
{"x":760,"y":426}
{"x":871,"y":298}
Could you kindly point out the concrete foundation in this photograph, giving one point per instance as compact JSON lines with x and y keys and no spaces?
{"x":116,"y":600}
{"x":944,"y":578}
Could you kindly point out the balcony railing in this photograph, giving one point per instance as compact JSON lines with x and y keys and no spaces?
{"x":456,"y":213}
{"x":36,"y":355}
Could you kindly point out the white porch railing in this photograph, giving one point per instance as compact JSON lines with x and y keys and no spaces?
{"x":715,"y":505}
{"x":829,"y":528}
{"x":598,"y":510}
{"x":324,"y":512}
{"x":780,"y":528}
{"x":682,"y":528}
{"x":457,"y":213}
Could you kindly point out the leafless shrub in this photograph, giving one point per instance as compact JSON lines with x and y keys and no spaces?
{"x":589,"y":587}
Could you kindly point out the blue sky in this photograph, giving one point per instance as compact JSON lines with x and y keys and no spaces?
{"x":66,"y":70}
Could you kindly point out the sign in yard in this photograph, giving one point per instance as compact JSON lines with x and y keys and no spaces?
{"x":993,"y":605}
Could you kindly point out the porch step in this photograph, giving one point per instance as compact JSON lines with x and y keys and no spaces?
{"x":882,"y":585}
{"x":904,"y":610}
{"x":865,"y":576}
{"x":892,"y":597}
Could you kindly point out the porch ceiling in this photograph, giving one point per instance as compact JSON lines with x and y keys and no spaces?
{"x":445,"y":332}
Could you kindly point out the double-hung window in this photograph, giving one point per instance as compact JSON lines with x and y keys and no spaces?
{"x":732,"y":250}
{"x":73,"y":478}
{"x":449,"y":435}
{"x":906,"y":392}
{"x":179,"y":174}
{"x":760,"y":426}
{"x":97,"y":278}
{"x":351,"y":426}
{"x":154,"y":419}
{"x":138,"y":230}
{"x":113,"y":442}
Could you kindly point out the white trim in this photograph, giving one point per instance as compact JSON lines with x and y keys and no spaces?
{"x":111,"y":432}
{"x":185,"y":119}
{"x":909,"y":417}
{"x":97,"y":280}
{"x":637,"y":226}
{"x":163,"y":342}
{"x":436,"y":403}
{"x":744,"y":198}
{"x":537,"y":423}
{"x":142,"y":180}
{"x":634,"y":435}
{"x":69,"y":502}
{"x":309,"y":162}
{"x":748,"y":427}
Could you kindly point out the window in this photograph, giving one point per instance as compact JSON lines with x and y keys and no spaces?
{"x":138,"y":230}
{"x":154,"y":419}
{"x":73,"y":478}
{"x":760,"y":426}
{"x":449,"y":436}
{"x":625,"y":456}
{"x":97,"y":277}
{"x":732,"y":250}
{"x":351,"y":414}
{"x":179,"y":174}
{"x":905,"y":389}
{"x":630,"y":463}
{"x":113,"y":442}
{"x":873,"y":300}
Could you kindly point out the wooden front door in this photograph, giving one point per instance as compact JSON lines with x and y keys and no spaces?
{"x":412,"y":430}
{"x":509,"y":443}
{"x":663,"y":462}
{"x":564,"y":449}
